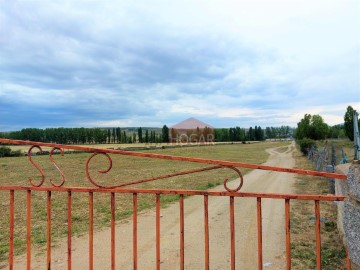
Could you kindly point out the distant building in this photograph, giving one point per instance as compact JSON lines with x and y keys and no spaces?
{"x":191,"y":131}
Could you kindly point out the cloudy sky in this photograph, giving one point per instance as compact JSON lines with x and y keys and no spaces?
{"x":150,"y":63}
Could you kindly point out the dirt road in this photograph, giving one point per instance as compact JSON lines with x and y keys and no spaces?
{"x":245,"y":230}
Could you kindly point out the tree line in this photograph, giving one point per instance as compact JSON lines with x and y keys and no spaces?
{"x":142,"y":135}
{"x":313,"y":127}
{"x":83,"y":135}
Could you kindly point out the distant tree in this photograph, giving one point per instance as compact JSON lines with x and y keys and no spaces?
{"x":336,"y":132}
{"x":319,"y":129}
{"x":109,"y":136}
{"x":312,"y":127}
{"x":140,"y":137}
{"x":259,"y":134}
{"x":146,"y":136}
{"x":250,"y":135}
{"x":165,"y":134}
{"x":114,"y":135}
{"x":118,"y":135}
{"x":303,"y":127}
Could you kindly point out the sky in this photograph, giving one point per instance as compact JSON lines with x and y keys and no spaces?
{"x":149,"y":63}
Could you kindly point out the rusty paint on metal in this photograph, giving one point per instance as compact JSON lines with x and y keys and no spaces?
{"x":11,"y":225}
{"x":112,"y":202}
{"x":135,"y":231}
{"x":158,"y":231}
{"x":178,"y":158}
{"x":91,"y":230}
{"x":28,"y":229}
{"x":69,"y":223}
{"x":232,"y":234}
{"x":317,"y":233}
{"x":57,"y":167}
{"x":48,"y":231}
{"x":287,"y":230}
{"x":348,"y":262}
{"x":310,"y":197}
{"x":36,"y":166}
{"x":206,"y":231}
{"x":182,"y":233}
{"x":259,"y":233}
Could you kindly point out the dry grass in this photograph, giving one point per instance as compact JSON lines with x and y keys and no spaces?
{"x":303,"y":225}
{"x":17,"y":170}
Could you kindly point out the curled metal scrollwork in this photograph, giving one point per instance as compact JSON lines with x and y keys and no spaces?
{"x":160,"y":177}
{"x":240,"y":178}
{"x":100,"y":171}
{"x":57,"y":167}
{"x":36,"y":166}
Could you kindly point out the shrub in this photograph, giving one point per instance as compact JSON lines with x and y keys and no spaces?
{"x":305,"y":144}
{"x":5,"y":151}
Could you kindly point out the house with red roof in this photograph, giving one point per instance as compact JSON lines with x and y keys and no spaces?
{"x":191,"y":131}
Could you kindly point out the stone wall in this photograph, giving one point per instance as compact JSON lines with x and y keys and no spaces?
{"x":349,"y":210}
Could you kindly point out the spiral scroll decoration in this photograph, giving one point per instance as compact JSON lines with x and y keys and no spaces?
{"x":57,"y":167}
{"x":100,"y":171}
{"x":95,"y":183}
{"x":110,"y":164}
{"x":241,"y":179}
{"x":36,"y":166}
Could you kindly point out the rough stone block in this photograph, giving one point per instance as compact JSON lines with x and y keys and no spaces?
{"x":351,"y":221}
{"x":353,"y":179}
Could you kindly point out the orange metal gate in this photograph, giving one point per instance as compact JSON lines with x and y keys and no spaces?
{"x":112,"y":190}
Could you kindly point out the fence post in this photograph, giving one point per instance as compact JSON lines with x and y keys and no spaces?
{"x":331,"y":181}
{"x":351,"y":215}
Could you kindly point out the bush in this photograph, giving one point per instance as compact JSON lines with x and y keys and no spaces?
{"x":305,"y":144}
{"x":5,"y":151}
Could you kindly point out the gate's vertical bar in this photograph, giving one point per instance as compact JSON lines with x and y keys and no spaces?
{"x":158,"y":231}
{"x":318,"y":239}
{"x":48,"y":229}
{"x":206,"y":229}
{"x":259,"y":231}
{"x":287,"y":230}
{"x":182,"y":259}
{"x":232,"y":233}
{"x":135,"y":230}
{"x":11,"y":225}
{"x":91,"y":231}
{"x":112,"y":230}
{"x":28,"y":229}
{"x":69,"y":228}
{"x":348,"y":262}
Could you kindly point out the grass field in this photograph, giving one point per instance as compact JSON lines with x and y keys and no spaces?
{"x":17,"y":170}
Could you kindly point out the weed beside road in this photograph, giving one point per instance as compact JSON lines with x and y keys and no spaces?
{"x":303,"y":225}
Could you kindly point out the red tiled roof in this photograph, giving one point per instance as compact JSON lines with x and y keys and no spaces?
{"x":191,"y":123}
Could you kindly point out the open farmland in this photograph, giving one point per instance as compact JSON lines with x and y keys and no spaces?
{"x":17,"y":170}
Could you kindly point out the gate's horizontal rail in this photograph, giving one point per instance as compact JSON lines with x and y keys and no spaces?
{"x":182,"y":221}
{"x":179,"y":158}
{"x":184,"y":192}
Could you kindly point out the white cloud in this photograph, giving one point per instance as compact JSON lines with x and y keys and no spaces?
{"x":127,"y":63}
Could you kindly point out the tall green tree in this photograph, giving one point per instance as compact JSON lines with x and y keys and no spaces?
{"x":140,"y":137}
{"x":165,"y":134}
{"x":312,"y":127}
{"x":349,"y":122}
{"x":146,"y":136}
